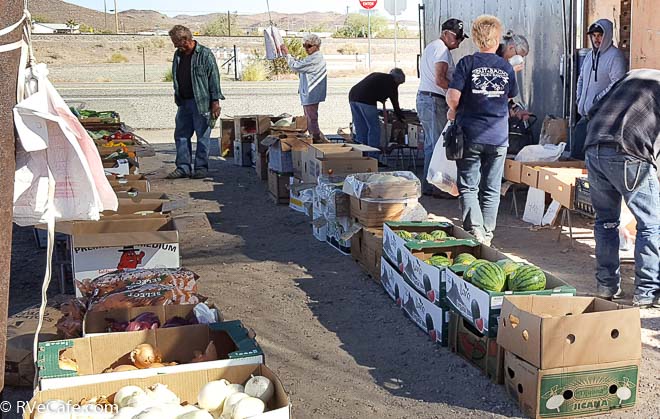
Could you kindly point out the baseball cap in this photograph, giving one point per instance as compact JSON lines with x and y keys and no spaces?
{"x":595,"y":27}
{"x":455,"y":26}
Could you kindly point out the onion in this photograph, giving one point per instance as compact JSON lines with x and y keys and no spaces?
{"x":230,"y":404}
{"x":122,"y":368}
{"x":188,"y":408}
{"x":212,"y":396}
{"x":139,"y":400}
{"x":124,"y":393}
{"x":127,"y":412}
{"x":236,"y":388}
{"x":144,"y":355}
{"x":156,"y":412}
{"x":53,"y":409}
{"x":197,"y":414}
{"x":260,"y":387}
{"x":248,"y":407}
{"x":160,"y":394}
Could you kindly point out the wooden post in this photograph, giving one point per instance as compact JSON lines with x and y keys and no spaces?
{"x":9,"y":61}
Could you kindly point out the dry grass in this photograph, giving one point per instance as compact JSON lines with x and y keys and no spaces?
{"x":118,"y":57}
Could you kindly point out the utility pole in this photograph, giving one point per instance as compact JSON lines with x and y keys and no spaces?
{"x":105,"y":15}
{"x":228,"y":23}
{"x":116,"y":19}
{"x":9,"y":62}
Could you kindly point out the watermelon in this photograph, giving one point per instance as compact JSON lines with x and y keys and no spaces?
{"x":424,"y":236}
{"x":489,"y":277}
{"x":527,"y":278}
{"x":405,"y":235}
{"x":439,"y":260}
{"x":509,"y":267}
{"x":464,"y":259}
{"x":438,"y":234}
{"x":472,"y":267}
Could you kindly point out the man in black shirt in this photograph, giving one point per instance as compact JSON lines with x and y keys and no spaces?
{"x":364,"y":98}
{"x":622,"y":146}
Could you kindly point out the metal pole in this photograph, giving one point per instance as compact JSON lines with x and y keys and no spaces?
{"x":105,"y":15}
{"x":235,"y":64}
{"x":395,"y":32}
{"x":116,"y":19}
{"x":9,"y":61}
{"x":369,"y":36}
{"x":144,"y":66}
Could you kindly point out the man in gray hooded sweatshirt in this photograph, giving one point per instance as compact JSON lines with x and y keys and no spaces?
{"x":603,"y":67}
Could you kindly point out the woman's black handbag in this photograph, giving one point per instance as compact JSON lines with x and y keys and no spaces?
{"x":453,"y":141}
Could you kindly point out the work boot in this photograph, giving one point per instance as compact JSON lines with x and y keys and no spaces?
{"x":201,"y":174}
{"x":177,"y":174}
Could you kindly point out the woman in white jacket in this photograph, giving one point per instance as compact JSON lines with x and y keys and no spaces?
{"x":313,"y":80}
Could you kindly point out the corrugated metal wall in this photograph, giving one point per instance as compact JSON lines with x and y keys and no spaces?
{"x":539,"y":20}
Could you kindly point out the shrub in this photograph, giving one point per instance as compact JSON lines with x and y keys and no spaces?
{"x":255,"y":70}
{"x":347,"y":49}
{"x":118,"y":57}
{"x":280,"y":66}
{"x":167,"y":76}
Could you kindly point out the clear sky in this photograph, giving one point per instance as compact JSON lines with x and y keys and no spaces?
{"x":177,"y":7}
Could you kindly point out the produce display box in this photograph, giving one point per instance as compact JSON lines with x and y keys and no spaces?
{"x":567,"y":332}
{"x":367,"y":250}
{"x":141,"y":202}
{"x":278,"y":186}
{"x":227,"y":136}
{"x":530,"y":171}
{"x":409,"y":257}
{"x":95,"y":354}
{"x":301,"y":196}
{"x":250,"y":124}
{"x":337,"y":160}
{"x":433,"y":320}
{"x":513,"y":169}
{"x":186,"y":385}
{"x":383,"y":186}
{"x":560,"y":183}
{"x":482,"y":308}
{"x":479,"y":350}
{"x":242,"y":154}
{"x":374,"y":213}
{"x":128,"y":183}
{"x":99,"y":247}
{"x":281,"y":148}
{"x":573,"y":391}
{"x":415,"y":135}
{"x":336,"y":229}
{"x":95,"y":322}
{"x":299,"y":125}
{"x":119,"y":167}
{"x":261,"y":165}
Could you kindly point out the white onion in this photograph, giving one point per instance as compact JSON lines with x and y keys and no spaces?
{"x":53,"y":409}
{"x":140,"y":401}
{"x":248,"y":407}
{"x":188,"y":408}
{"x":236,"y":388}
{"x":162,"y":395}
{"x":127,"y":412}
{"x":230,"y":403}
{"x":260,"y":387}
{"x":197,"y":414}
{"x":212,"y":396}
{"x":124,"y":392}
{"x":156,"y":412}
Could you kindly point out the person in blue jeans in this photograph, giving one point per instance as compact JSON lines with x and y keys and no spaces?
{"x":478,"y":98}
{"x":364,"y":98}
{"x":197,"y":94}
{"x":621,"y":150}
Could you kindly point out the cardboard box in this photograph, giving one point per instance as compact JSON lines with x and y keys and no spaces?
{"x":227,"y":136}
{"x":367,"y":250}
{"x":565,"y":332}
{"x":261,"y":166}
{"x":554,"y":130}
{"x":530,"y":170}
{"x":476,"y":348}
{"x":99,"y":247}
{"x":335,"y":159}
{"x":415,"y":135}
{"x":571,"y":392}
{"x":385,"y":133}
{"x":301,"y":196}
{"x":96,"y":322}
{"x":409,"y":259}
{"x":186,"y":385}
{"x":482,"y":308}
{"x":374,"y":213}
{"x":513,"y":170}
{"x":242,"y":154}
{"x":336,"y":229}
{"x":383,"y":186}
{"x":280,"y":151}
{"x":299,"y":125}
{"x":131,"y":203}
{"x":95,"y":354}
{"x":433,"y":320}
{"x":278,"y":186}
{"x":127,"y":183}
{"x":560,"y":183}
{"x":250,"y":125}
{"x":298,"y":162}
{"x":119,"y":167}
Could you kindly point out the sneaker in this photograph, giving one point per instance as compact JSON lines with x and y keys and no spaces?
{"x":644,"y":304}
{"x":176,"y":174}
{"x":200,"y":174}
{"x":607,"y":295}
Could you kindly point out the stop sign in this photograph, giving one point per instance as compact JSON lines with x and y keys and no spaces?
{"x":368,"y":4}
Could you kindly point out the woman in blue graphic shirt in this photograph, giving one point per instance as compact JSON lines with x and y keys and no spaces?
{"x":478,"y":98}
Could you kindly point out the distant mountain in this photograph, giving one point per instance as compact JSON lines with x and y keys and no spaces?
{"x":131,"y":21}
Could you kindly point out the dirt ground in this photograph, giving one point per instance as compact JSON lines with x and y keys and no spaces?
{"x":338,"y":343}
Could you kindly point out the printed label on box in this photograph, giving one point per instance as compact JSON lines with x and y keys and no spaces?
{"x":471,"y":302}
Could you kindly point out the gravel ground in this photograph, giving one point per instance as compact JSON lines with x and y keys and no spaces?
{"x":340,"y":346}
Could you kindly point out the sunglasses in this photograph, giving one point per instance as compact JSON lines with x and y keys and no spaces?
{"x":307,"y":46}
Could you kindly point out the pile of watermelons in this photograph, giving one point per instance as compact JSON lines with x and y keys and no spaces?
{"x":435,"y":235}
{"x":503,"y":275}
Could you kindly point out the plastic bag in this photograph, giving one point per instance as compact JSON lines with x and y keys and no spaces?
{"x":389,"y":185}
{"x":536,"y":152}
{"x":181,"y":278}
{"x":146,"y":295}
{"x":442,"y":172}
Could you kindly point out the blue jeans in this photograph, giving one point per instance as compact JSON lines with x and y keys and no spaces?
{"x":188,"y":122}
{"x":479,"y":182}
{"x":432,"y":113}
{"x":579,"y":137}
{"x":613,"y":176}
{"x":367,"y":125}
